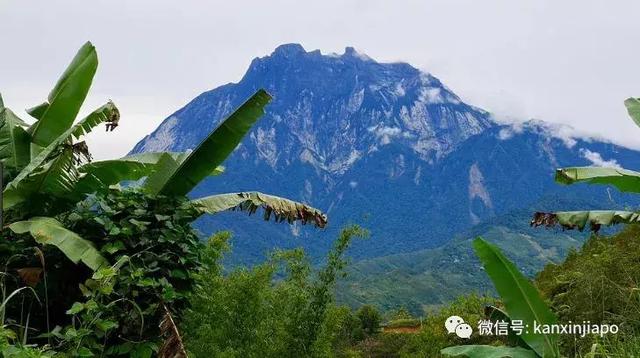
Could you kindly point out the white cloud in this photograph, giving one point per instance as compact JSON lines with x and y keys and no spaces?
{"x":542,"y":67}
{"x":596,"y":159}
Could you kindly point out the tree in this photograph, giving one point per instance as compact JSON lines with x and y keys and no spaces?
{"x":369,"y":318}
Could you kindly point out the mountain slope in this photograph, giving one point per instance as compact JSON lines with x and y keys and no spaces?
{"x":383,"y":145}
{"x":424,"y":279}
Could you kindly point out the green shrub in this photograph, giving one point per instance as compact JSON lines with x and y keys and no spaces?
{"x":599,"y":283}
{"x":156,"y":255}
{"x":370,"y":318}
{"x":276,"y":309}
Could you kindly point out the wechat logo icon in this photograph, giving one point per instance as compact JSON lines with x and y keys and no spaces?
{"x":455,"y":324}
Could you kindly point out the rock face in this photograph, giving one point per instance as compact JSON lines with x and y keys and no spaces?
{"x":384,"y":145}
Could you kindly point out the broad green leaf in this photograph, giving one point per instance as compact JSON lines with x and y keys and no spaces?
{"x":100,"y":175}
{"x":214,"y":149}
{"x":154,"y":158}
{"x":31,"y":178}
{"x":14,"y":141}
{"x":521,"y":299}
{"x":282,"y":209}
{"x":37,"y":111}
{"x":633,"y":108}
{"x":165,"y":167}
{"x":479,"y":351}
{"x":624,"y":180}
{"x":49,"y":231}
{"x":66,"y":98}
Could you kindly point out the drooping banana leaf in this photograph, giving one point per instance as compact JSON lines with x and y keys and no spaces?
{"x":63,"y":104}
{"x":624,"y":180}
{"x":14,"y":141}
{"x":633,"y":108}
{"x":521,"y":299}
{"x":214,"y":149}
{"x":31,"y":178}
{"x":580,"y":219}
{"x":480,"y":351}
{"x":49,"y":231}
{"x":281,"y":209}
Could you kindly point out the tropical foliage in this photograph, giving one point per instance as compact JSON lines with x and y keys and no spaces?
{"x":113,"y":264}
{"x":521,"y":301}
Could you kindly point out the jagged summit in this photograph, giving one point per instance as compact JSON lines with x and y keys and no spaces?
{"x":289,"y":50}
{"x":330,"y":111}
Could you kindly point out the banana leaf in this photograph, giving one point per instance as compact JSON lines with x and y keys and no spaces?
{"x":580,"y":219}
{"x":179,"y":157}
{"x":624,"y":180}
{"x":31,"y":178}
{"x":14,"y":141}
{"x":633,"y":108}
{"x":521,"y":299}
{"x":63,"y":104}
{"x":164,"y":170}
{"x":281,"y":209}
{"x":214,"y":149}
{"x":49,"y":231}
{"x":480,"y":351}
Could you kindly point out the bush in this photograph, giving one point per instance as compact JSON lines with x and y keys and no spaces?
{"x":369,"y":318}
{"x":155,"y":257}
{"x":251,"y":313}
{"x":599,"y":283}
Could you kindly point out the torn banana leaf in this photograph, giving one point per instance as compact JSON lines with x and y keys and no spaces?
{"x":624,"y":180}
{"x":282,"y":209}
{"x":580,"y":219}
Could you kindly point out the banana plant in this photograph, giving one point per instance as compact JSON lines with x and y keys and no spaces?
{"x":522,"y":302}
{"x":622,"y":179}
{"x":48,"y":162}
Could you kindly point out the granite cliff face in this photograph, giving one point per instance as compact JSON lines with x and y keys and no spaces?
{"x":381,"y":144}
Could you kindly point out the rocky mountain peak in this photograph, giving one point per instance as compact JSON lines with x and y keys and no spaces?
{"x":329,"y":111}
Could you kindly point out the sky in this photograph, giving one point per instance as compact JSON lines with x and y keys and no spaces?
{"x":569,"y":62}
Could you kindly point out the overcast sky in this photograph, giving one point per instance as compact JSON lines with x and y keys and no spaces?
{"x":569,"y":62}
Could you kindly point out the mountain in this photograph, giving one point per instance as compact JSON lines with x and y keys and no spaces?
{"x":384,"y":145}
{"x":425,"y":279}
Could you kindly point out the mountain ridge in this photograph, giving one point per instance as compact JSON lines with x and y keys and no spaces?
{"x":385,"y":145}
